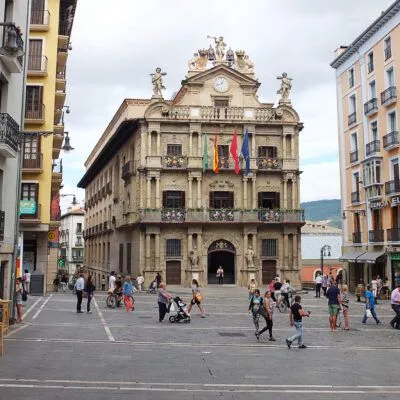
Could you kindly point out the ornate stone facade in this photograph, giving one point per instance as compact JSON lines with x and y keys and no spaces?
{"x":152,"y":206}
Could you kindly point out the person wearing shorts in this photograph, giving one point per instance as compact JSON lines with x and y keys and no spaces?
{"x":197,"y":297}
{"x":334,"y":301}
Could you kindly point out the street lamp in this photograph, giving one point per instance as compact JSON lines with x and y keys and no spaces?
{"x":67,"y":144}
{"x":325,"y":252}
{"x":74,"y":202}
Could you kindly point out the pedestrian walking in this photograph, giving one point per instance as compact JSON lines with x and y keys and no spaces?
{"x":197,"y":298}
{"x":64,"y":283}
{"x":19,"y":288}
{"x":140,"y":281}
{"x":256,"y":303}
{"x":374,"y":288}
{"x":271,"y":288}
{"x":344,"y":298}
{"x":334,"y":301}
{"x":277,"y":289}
{"x":127,"y":292}
{"x":267,"y":312}
{"x":370,"y":306}
{"x":158,"y":279}
{"x":318,"y":284}
{"x":286,"y":288}
{"x":163,"y":300}
{"x":395,"y":303}
{"x":220,"y":275}
{"x":252,"y":287}
{"x":103,"y":283}
{"x":324,"y":284}
{"x":27,"y":281}
{"x":111,"y":281}
{"x":296,"y":319}
{"x":79,"y":287}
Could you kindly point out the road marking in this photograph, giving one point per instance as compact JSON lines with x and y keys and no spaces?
{"x":31,"y":308}
{"x":41,"y":307}
{"x":19,"y":329}
{"x":103,"y":322}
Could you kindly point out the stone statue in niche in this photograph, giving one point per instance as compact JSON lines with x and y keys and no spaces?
{"x":194,"y":258}
{"x":249,"y":257}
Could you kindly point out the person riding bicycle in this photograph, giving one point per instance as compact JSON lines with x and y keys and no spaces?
{"x":285,"y":290}
{"x":277,"y":289}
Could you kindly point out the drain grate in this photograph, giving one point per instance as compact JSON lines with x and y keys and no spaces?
{"x":231,"y":334}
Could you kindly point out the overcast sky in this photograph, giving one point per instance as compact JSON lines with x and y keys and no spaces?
{"x":117,"y":44}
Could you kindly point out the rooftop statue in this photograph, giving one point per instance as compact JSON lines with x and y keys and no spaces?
{"x":286,"y":87}
{"x":219,"y":47}
{"x":157,"y":81}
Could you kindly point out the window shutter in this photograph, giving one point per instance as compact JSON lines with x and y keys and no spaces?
{"x":231,"y":200}
{"x":211,"y":199}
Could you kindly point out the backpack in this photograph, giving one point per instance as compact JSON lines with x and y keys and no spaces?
{"x":24,"y":293}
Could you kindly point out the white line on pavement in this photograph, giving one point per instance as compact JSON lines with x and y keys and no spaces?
{"x":103,"y":321}
{"x":19,"y":329}
{"x":41,"y":307}
{"x":31,"y":308}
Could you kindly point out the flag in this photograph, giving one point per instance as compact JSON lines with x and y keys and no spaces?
{"x":205,"y":154}
{"x":245,"y":151}
{"x":215,"y":159}
{"x":234,"y":152}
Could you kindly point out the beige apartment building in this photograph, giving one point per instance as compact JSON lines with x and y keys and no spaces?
{"x":154,"y":202}
{"x":367,"y":77}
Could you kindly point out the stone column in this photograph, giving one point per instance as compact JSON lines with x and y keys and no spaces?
{"x":157,"y":247}
{"x":190,"y":242}
{"x":158,"y":192}
{"x":158,"y":143}
{"x":198,"y":192}
{"x":200,"y":244}
{"x":190,"y":143}
{"x":284,"y":193}
{"x":294,"y":193}
{"x":147,"y":250}
{"x":149,"y":143}
{"x":292,"y":145}
{"x":244,"y":192}
{"x":283,"y":146}
{"x":199,"y":141}
{"x":294,"y":262}
{"x":148,"y":192}
{"x":141,"y":205}
{"x":190,"y":200}
{"x":285,"y":250}
{"x":245,"y":242}
{"x":253,"y":144}
{"x":254,"y":196}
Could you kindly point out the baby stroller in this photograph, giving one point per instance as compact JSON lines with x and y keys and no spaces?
{"x":152,"y":289}
{"x":182,"y":313}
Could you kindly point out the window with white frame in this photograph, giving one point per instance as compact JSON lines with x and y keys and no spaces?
{"x":390,"y":77}
{"x":353,"y":142}
{"x":392,"y":122}
{"x":372,"y":172}
{"x":356,"y":181}
{"x":372,"y":90}
{"x":370,"y":62}
{"x":394,"y":169}
{"x":351,"y":77}
{"x":352,"y":104}
{"x":387,"y":48}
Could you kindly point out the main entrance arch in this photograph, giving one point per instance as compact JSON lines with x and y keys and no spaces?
{"x":221,"y":253}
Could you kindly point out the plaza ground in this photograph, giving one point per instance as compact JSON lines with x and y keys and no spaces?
{"x":58,"y":354}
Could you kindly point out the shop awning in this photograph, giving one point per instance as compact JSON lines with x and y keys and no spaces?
{"x":351,"y":257}
{"x":371,"y":257}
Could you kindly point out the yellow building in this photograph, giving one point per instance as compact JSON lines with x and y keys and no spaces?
{"x":49,"y":41}
{"x":367,"y":77}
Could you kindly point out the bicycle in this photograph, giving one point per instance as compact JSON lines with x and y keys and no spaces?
{"x":281,"y":303}
{"x":115,"y":300}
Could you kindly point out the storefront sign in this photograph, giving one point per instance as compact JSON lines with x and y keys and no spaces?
{"x":378,"y":204}
{"x":396,"y":256}
{"x":27,"y":207}
{"x":395,"y":201}
{"x":53,"y":237}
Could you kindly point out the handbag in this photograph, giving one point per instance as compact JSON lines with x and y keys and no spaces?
{"x":368,"y":313}
{"x":199,"y":297}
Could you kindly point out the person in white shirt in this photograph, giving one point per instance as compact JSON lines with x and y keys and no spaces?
{"x":140,"y":281}
{"x":111,"y":281}
{"x":285,"y":289}
{"x":27,"y":281}
{"x":318,"y":284}
{"x":79,"y":286}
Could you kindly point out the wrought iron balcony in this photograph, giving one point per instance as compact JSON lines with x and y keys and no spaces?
{"x":389,"y":96}
{"x":2,"y":224}
{"x":391,"y":140}
{"x":352,"y":118}
{"x":8,"y":135}
{"x":34,"y":112}
{"x":372,"y":147}
{"x":223,"y":163}
{"x":392,"y":187}
{"x":354,"y":156}
{"x":373,"y":191}
{"x":371,"y":107}
{"x":356,"y":236}
{"x":173,"y":215}
{"x":264,"y":163}
{"x":127,"y":171}
{"x":40,"y":17}
{"x":376,"y":236}
{"x":355,"y":197}
{"x":393,"y":235}
{"x":174,"y":162}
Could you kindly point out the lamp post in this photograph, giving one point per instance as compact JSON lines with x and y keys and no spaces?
{"x":325,"y":252}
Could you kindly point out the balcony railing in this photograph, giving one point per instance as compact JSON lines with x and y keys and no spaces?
{"x":40,"y":17}
{"x":389,"y":96}
{"x":34,"y":111}
{"x":223,"y":163}
{"x":371,"y":106}
{"x":392,"y":187}
{"x":37,"y":64}
{"x":32,"y":161}
{"x":64,"y":28}
{"x":77,"y":259}
{"x":355,"y":197}
{"x":265,"y":163}
{"x":393,"y":235}
{"x":61,"y":72}
{"x":388,"y":52}
{"x":376,"y":236}
{"x":174,"y":162}
{"x":352,"y":118}
{"x":356,"y":237}
{"x":8,"y":131}
{"x":126,"y":171}
{"x":173,"y":215}
{"x":222,"y":113}
{"x":2,"y":224}
{"x":373,"y":191}
{"x":391,"y":140}
{"x":354,"y":156}
{"x":372,"y":147}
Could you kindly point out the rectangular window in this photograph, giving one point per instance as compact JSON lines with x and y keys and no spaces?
{"x":356,"y":181}
{"x":29,"y":191}
{"x":31,"y":148}
{"x":35,"y":55}
{"x":388,"y":48}
{"x":372,"y":90}
{"x":79,"y":228}
{"x":351,"y":77}
{"x":129,"y":257}
{"x":173,"y":248}
{"x":392,"y":122}
{"x":270,"y":247}
{"x":268,"y":200}
{"x":223,"y":151}
{"x":221,"y":103}
{"x":174,"y":149}
{"x":352,"y":104}
{"x":173,"y":199}
{"x":34,"y":101}
{"x":267,"y":152}
{"x":374,"y":131}
{"x":354,"y":142}
{"x":370,"y":62}
{"x":220,"y":200}
{"x":121,"y":258}
{"x":390,"y":77}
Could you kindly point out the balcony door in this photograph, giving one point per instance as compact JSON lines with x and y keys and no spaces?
{"x":35,"y":54}
{"x":31,"y":152}
{"x":221,"y":200}
{"x":269,"y":200}
{"x":356,"y":221}
{"x":376,"y":220}
{"x":396,"y":218}
{"x":173,"y":199}
{"x":37,"y":12}
{"x":395,"y":169}
{"x":34,"y":100}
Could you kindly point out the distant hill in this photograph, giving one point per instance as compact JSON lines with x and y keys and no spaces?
{"x":323,"y":210}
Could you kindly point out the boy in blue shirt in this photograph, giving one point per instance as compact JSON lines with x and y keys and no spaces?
{"x":370,"y":305}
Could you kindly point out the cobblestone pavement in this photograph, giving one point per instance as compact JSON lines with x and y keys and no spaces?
{"x":58,"y":354}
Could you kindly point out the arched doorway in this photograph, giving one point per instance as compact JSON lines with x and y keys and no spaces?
{"x":221,"y":253}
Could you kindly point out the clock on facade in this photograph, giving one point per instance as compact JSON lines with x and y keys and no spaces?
{"x":221,"y":84}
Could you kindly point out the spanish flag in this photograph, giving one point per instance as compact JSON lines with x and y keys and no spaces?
{"x":215,"y":158}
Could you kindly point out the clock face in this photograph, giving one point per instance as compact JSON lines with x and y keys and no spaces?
{"x":221,"y":84}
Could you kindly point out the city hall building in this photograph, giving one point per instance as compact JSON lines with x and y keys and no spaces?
{"x":167,"y":191}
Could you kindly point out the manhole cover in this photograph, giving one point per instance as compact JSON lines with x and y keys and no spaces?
{"x":231,"y":334}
